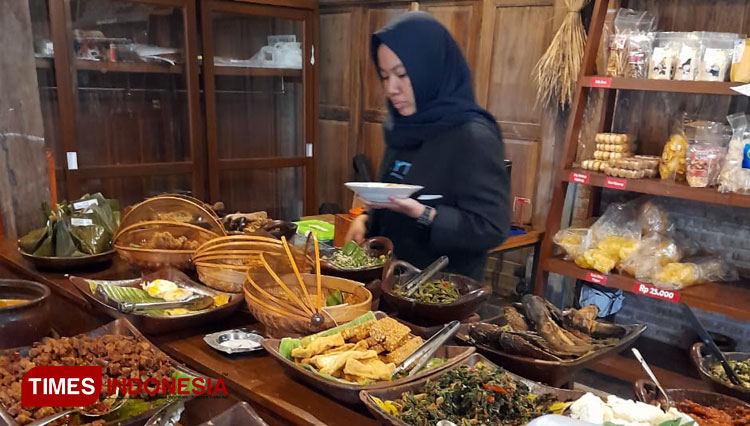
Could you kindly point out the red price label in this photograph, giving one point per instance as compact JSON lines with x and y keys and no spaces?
{"x":579,"y":178}
{"x":655,"y":292}
{"x":601,"y":82}
{"x":614,"y":183}
{"x":595,"y":278}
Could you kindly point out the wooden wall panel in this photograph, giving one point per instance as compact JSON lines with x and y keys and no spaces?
{"x":374,"y":145}
{"x":521,"y":34}
{"x":375,"y":18}
{"x":339,"y":101}
{"x":334,"y":162}
{"x":463,"y":21}
{"x":525,"y":158}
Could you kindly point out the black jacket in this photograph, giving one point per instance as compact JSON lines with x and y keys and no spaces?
{"x":465,"y":165}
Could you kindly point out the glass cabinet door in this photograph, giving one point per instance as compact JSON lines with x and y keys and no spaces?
{"x":258,"y":92}
{"x":134,"y":122}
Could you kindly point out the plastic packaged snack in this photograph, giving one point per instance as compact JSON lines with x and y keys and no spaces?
{"x":688,"y":58}
{"x":740,"y":71}
{"x":639,"y":52}
{"x":680,"y":275}
{"x":619,"y":220}
{"x":672,"y":163}
{"x":627,"y":23}
{"x":735,"y":173}
{"x":662,"y":63}
{"x":716,"y":56}
{"x":573,"y":241}
{"x":654,"y":252}
{"x":654,"y":219}
{"x":704,"y":161}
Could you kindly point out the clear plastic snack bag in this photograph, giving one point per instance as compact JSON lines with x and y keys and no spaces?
{"x":663,"y":60}
{"x":716,"y":56}
{"x":680,"y":275}
{"x":735,"y":173}
{"x":653,"y":218}
{"x":654,"y":252}
{"x":627,"y":23}
{"x":688,"y":58}
{"x":673,"y":157}
{"x":639,"y":52}
{"x":573,"y":241}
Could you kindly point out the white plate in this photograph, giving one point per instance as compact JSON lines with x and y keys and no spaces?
{"x":377,"y":192}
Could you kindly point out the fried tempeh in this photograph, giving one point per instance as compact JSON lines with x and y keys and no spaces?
{"x":389,"y":332}
{"x":401,"y":353}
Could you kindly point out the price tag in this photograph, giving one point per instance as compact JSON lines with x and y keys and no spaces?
{"x":83,"y":204}
{"x":579,"y":178}
{"x":601,"y":82}
{"x":614,"y":183}
{"x":655,"y":292}
{"x":77,"y":221}
{"x":595,"y":278}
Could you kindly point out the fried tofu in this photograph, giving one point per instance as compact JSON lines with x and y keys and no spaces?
{"x":401,"y":353}
{"x":358,"y":332}
{"x":318,"y":346}
{"x":389,"y":333}
{"x":371,"y":368}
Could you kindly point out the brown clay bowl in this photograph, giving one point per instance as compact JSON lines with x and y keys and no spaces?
{"x":23,"y":324}
{"x":376,"y":246}
{"x":473,"y":293}
{"x":646,"y":391}
{"x":67,"y":264}
{"x":554,"y":373}
{"x":395,"y":392}
{"x":704,"y":364}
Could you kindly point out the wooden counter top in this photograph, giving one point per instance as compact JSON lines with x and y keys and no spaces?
{"x":256,"y":378}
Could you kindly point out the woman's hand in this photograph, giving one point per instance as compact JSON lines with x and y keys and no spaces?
{"x":407,"y":206}
{"x":357,"y":229}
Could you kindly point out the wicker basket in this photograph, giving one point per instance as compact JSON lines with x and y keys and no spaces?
{"x":222,"y":262}
{"x":356,"y":297}
{"x":133,"y":239}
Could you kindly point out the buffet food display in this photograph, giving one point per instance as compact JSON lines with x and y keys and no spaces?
{"x":318,"y":324}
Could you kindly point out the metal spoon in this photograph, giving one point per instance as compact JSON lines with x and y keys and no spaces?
{"x":168,"y":415}
{"x":118,"y":402}
{"x":667,"y":400}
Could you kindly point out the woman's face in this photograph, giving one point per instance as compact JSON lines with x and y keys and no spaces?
{"x":396,"y":83}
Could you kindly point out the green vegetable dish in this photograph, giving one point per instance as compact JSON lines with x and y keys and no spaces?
{"x":478,"y":395}
{"x":740,"y":368}
{"x":436,"y":291}
{"x":351,"y":256}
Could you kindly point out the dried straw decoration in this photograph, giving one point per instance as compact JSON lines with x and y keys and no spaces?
{"x":557,"y":71}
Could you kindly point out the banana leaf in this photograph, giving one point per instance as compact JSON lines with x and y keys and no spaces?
{"x":64,"y":245}
{"x":47,"y":246}
{"x":31,"y":241}
{"x":90,"y":239}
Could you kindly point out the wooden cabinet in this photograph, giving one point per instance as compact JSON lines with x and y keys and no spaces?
{"x":131,"y":111}
{"x":501,"y":40}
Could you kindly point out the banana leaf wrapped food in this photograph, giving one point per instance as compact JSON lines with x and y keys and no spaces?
{"x":80,"y":228}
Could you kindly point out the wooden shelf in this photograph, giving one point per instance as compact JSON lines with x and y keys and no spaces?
{"x":725,"y":298}
{"x":131,"y":67}
{"x":257,"y":72}
{"x":661,"y":188}
{"x":697,"y":87}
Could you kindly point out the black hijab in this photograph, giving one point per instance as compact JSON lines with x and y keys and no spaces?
{"x":439,"y":75}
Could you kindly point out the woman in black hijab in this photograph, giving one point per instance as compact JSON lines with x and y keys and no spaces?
{"x":438,"y":137}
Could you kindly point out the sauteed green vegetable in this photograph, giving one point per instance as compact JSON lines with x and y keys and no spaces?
{"x":351,"y":256}
{"x":436,"y":291}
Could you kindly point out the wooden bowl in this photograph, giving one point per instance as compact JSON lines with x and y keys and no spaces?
{"x":395,"y":392}
{"x":278,"y":326}
{"x":553,"y":373}
{"x":646,"y":391}
{"x":376,"y":246}
{"x":473,"y":293}
{"x":704,"y":364}
{"x":26,"y":323}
